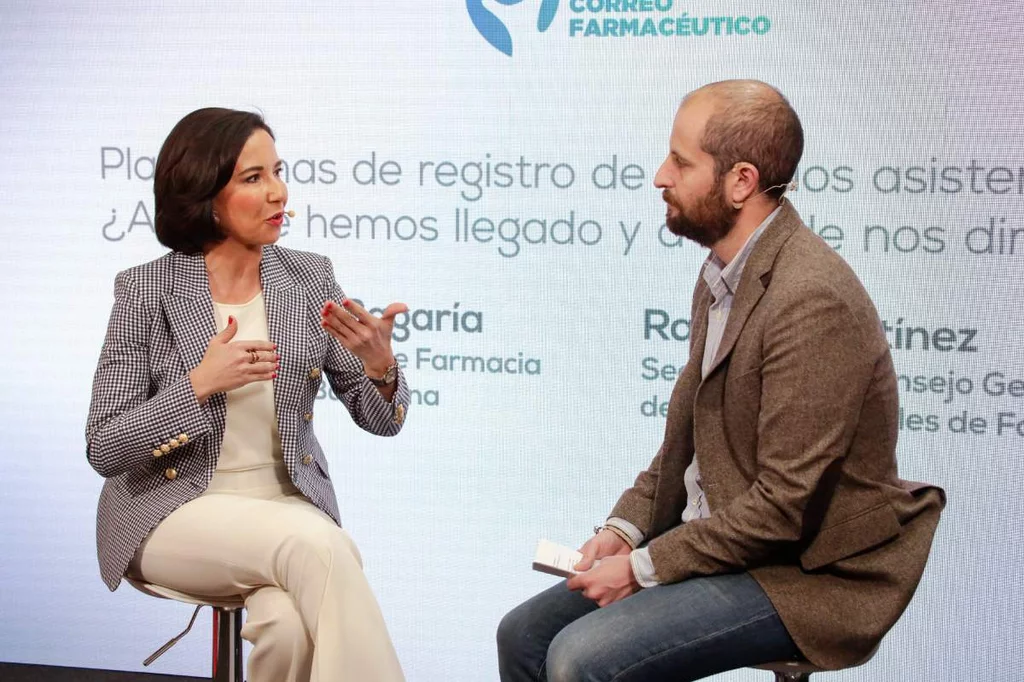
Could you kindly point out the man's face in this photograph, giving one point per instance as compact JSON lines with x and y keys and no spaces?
{"x":695,"y":203}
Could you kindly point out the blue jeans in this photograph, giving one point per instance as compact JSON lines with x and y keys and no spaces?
{"x":683,"y":631}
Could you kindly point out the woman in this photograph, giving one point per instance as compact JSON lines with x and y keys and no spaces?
{"x":202,"y":405}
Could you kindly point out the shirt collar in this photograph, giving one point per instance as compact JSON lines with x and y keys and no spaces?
{"x":717,"y":273}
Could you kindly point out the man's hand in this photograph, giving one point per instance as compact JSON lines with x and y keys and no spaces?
{"x":613,"y":578}
{"x":608,"y":582}
{"x":604,"y":544}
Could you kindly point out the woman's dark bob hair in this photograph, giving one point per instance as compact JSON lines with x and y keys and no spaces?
{"x":196,"y":161}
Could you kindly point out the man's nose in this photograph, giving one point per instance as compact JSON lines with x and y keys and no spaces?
{"x":661,"y":178}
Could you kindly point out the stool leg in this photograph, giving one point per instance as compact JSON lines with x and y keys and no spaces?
{"x":227,"y":645}
{"x":792,"y":677}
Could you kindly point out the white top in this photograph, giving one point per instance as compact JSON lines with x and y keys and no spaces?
{"x":251,"y":439}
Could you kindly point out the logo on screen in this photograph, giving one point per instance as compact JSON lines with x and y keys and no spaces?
{"x":494,"y":30}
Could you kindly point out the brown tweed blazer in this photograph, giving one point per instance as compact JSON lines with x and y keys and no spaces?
{"x":795,"y":433}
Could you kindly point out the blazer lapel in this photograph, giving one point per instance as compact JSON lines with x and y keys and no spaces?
{"x":677,"y":446}
{"x":285,"y":319}
{"x":286,"y":325}
{"x":190,"y":308}
{"x":699,"y":323}
{"x":753,"y":281}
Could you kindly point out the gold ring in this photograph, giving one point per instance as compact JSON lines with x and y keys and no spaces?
{"x":253,"y":357}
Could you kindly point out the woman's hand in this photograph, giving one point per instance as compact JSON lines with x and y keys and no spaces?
{"x":228,"y":364}
{"x":367,"y":336}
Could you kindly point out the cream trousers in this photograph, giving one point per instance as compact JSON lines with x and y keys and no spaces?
{"x":310,"y":614}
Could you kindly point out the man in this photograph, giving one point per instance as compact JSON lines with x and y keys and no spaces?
{"x":771,"y":524}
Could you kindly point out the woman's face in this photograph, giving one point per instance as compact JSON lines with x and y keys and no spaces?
{"x":250,"y":208}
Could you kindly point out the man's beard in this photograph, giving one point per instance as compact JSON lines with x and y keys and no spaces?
{"x":707,"y":222}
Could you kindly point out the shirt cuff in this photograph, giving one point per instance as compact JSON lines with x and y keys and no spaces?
{"x":643,"y":567}
{"x":634,"y":534}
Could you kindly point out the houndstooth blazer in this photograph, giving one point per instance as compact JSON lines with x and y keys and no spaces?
{"x":150,"y":438}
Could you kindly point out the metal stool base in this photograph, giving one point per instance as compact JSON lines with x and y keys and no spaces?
{"x":792,"y":677}
{"x":227,"y":645}
{"x":227,"y":629}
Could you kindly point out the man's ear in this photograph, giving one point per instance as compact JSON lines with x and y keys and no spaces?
{"x":743,"y":187}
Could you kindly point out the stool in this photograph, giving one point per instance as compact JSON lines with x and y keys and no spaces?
{"x":227,"y":629}
{"x":790,"y":671}
{"x":800,"y":671}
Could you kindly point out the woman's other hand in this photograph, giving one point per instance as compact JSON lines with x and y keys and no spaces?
{"x":228,"y":364}
{"x":368,"y":337}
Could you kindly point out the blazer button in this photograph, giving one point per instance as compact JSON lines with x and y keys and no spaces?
{"x":308,"y":416}
{"x":399,"y":414}
{"x":170,"y":473}
{"x":314,"y":373}
{"x":165,"y":448}
{"x":157,"y":452}
{"x":173,"y":443}
{"x":308,"y":459}
{"x":182,"y":438}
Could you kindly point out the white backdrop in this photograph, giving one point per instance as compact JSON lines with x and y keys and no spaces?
{"x":913,"y":170}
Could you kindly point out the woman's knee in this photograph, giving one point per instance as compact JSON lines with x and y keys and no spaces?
{"x":321,"y":545}
{"x":273,"y":619}
{"x":351,"y":545}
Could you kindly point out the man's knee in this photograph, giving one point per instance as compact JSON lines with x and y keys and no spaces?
{"x":513,"y":631}
{"x":563,"y":661}
{"x":574,"y":657}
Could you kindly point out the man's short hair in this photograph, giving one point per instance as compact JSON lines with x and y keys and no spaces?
{"x":753,"y":122}
{"x":195,"y":163}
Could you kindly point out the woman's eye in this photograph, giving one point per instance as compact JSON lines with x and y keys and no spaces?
{"x":252,"y":178}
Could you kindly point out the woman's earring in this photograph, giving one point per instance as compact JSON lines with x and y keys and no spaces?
{"x":737,"y":206}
